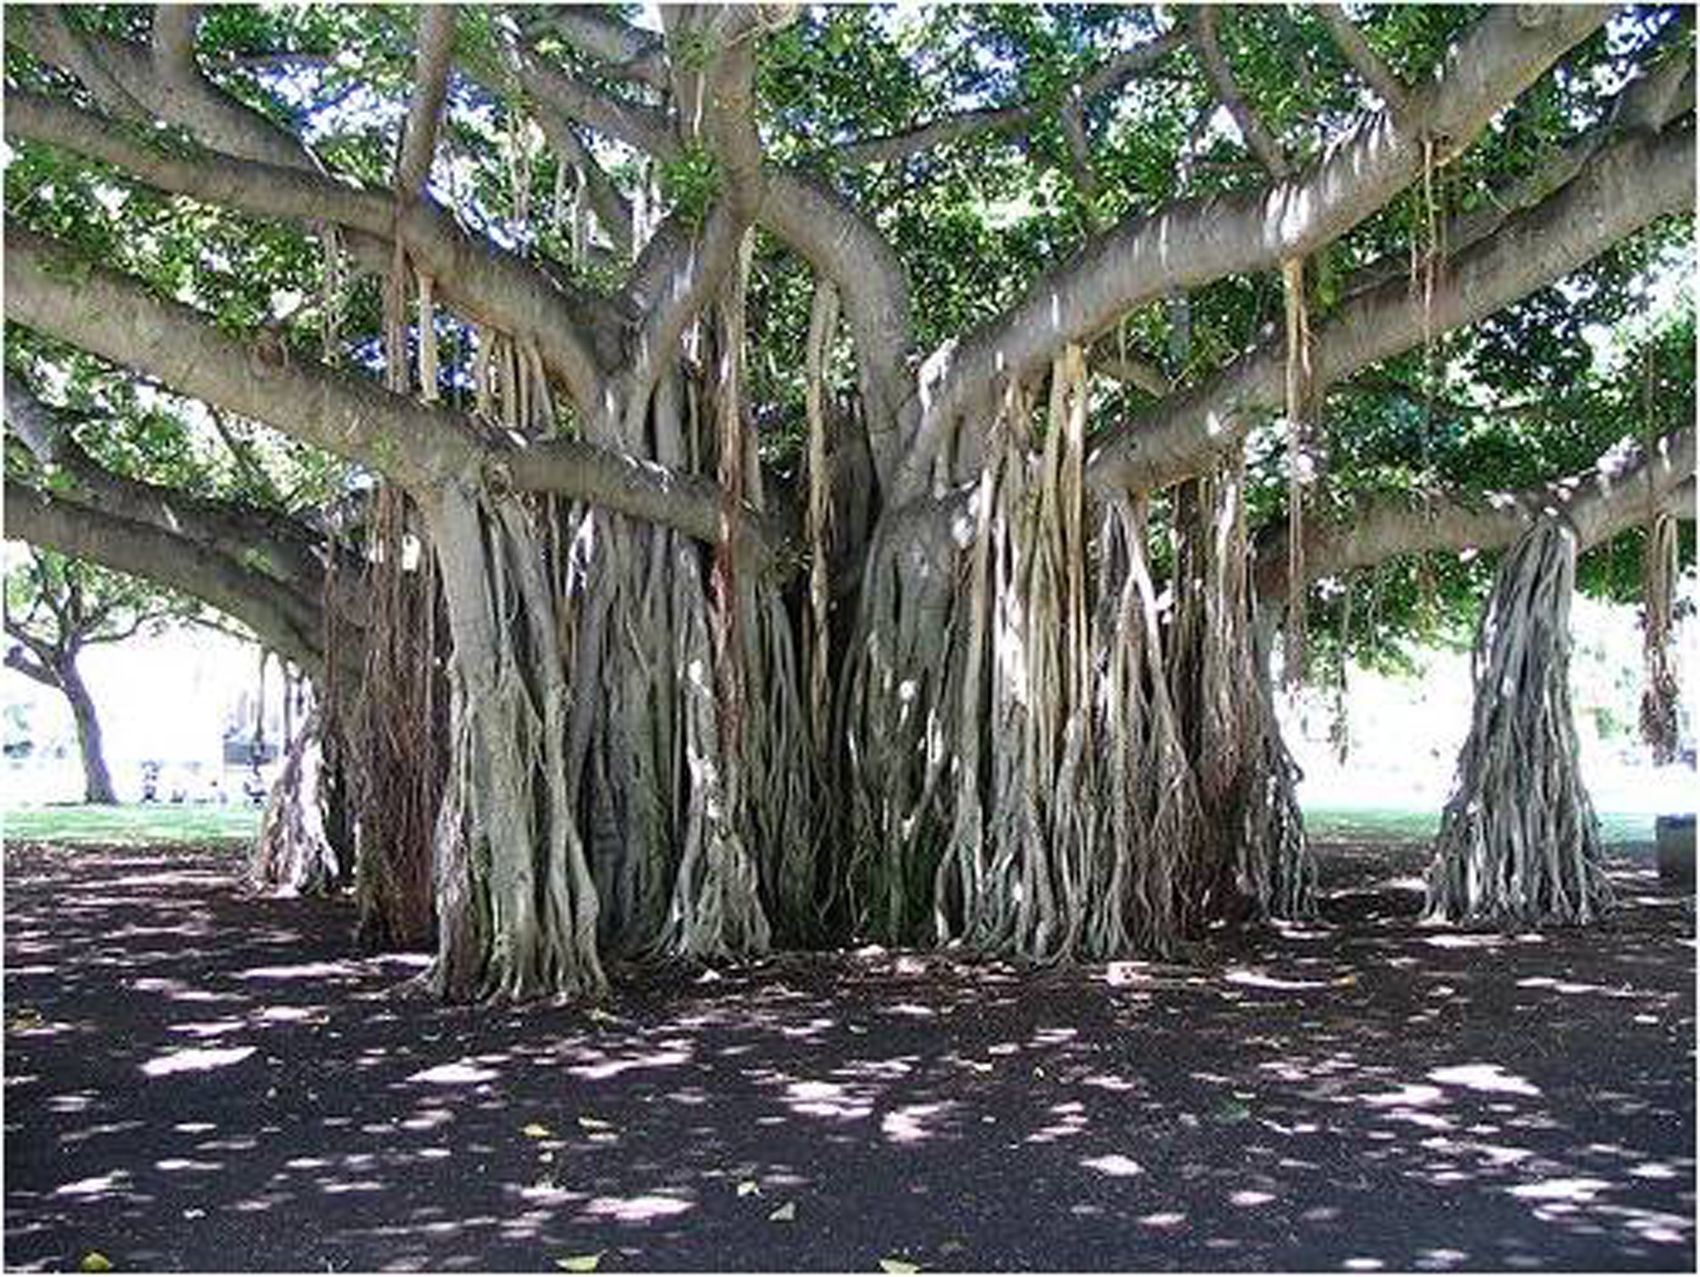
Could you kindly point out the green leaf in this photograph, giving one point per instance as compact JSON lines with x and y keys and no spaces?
{"x":580,"y":1263}
{"x":536,"y":1131}
{"x":94,"y":1262}
{"x":892,"y":1265}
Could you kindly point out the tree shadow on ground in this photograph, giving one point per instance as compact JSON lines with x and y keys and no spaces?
{"x":197,"y":1079}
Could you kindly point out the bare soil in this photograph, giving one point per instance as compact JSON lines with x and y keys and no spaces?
{"x":197,"y":1079}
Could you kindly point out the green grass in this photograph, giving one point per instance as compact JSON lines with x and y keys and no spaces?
{"x":162,"y":824}
{"x":132,"y":825}
{"x":1403,"y":824}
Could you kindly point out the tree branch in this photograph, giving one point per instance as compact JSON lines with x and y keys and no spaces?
{"x":270,"y":542}
{"x":1258,"y":139}
{"x":418,"y":445}
{"x":1622,"y":189}
{"x":1614,"y":495}
{"x":483,"y":282}
{"x":622,"y":50}
{"x":611,"y":208}
{"x":28,"y":667}
{"x":286,"y":622}
{"x":841,"y":244}
{"x":1192,"y":242}
{"x":643,"y":127}
{"x":689,"y":503}
{"x":431,"y":86}
{"x":1361,"y":57}
{"x":112,"y":316}
{"x":1649,"y":102}
{"x":1139,"y":373}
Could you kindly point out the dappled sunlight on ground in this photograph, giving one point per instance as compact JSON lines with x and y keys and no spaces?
{"x":196,"y":1079}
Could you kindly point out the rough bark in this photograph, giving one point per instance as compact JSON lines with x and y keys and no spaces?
{"x":1519,"y":842}
{"x":301,"y":850}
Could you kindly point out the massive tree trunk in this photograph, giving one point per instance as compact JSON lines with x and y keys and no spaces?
{"x":1034,"y":718}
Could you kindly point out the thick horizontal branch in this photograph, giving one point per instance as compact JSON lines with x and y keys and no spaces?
{"x":166,"y":84}
{"x":1194,"y":242}
{"x":1648,"y":103}
{"x":416,"y":445}
{"x":271,"y":542}
{"x":1620,"y":492}
{"x":250,"y":186}
{"x":175,"y":562}
{"x":621,"y":50}
{"x":479,"y":280}
{"x":50,"y":290}
{"x":689,"y":503}
{"x":1622,"y":189}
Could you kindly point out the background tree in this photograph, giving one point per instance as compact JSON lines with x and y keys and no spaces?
{"x":1145,"y":321}
{"x":56,"y":608}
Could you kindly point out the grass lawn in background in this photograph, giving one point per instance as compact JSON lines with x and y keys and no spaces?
{"x":162,"y":824}
{"x":132,"y":824}
{"x":1408,"y":824}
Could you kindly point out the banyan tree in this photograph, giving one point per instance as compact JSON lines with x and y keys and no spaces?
{"x":801,"y":473}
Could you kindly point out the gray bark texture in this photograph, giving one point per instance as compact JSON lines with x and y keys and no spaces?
{"x":1018,"y":700}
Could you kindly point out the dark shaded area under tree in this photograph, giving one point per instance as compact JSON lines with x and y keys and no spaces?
{"x":199,"y":1079}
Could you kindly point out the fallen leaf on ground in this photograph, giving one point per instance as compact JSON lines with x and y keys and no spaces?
{"x":94,"y":1262}
{"x":580,"y":1263}
{"x":784,"y":1214}
{"x":899,"y":1266}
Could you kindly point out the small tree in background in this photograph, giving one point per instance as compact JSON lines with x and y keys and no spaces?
{"x":55,"y":608}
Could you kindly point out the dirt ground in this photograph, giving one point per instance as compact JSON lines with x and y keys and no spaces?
{"x":196,"y":1079}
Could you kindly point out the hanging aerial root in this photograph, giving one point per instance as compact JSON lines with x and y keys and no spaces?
{"x":427,"y":340}
{"x":1147,"y":798}
{"x":294,"y":854}
{"x":1251,"y":859}
{"x":1518,"y":838}
{"x":398,"y":768}
{"x":717,"y":906}
{"x":823,"y":320}
{"x":1024,"y":846}
{"x":1299,"y":402}
{"x":1660,"y":696}
{"x":519,"y":906}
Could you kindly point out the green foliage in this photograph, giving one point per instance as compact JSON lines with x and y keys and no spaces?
{"x":975,"y":222}
{"x":690,"y":183}
{"x":65,"y":604}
